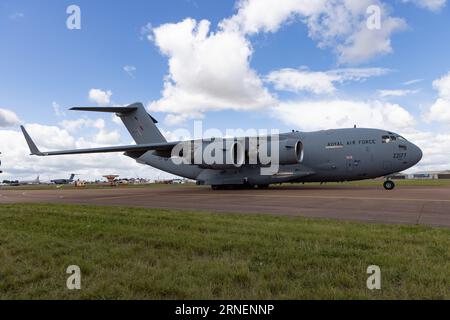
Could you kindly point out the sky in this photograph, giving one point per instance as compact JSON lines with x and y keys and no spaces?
{"x":245,"y":64}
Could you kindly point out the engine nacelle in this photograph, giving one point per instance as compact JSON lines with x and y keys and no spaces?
{"x":224,"y":154}
{"x":232,"y":155}
{"x":291,"y":151}
{"x":220,"y":154}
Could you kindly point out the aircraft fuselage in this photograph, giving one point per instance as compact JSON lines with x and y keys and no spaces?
{"x":329,"y":155}
{"x":321,"y":156}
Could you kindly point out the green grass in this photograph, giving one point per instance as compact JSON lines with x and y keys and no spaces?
{"x":158,"y":254}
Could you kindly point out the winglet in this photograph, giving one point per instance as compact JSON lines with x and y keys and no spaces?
{"x":33,"y":149}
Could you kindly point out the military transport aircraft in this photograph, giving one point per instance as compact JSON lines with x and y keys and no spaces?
{"x":26,"y":182}
{"x":334,"y":155}
{"x":64,"y":181}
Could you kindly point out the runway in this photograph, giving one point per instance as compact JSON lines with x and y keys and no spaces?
{"x":407,"y":205}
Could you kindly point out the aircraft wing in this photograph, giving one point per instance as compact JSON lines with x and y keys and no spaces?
{"x":165,"y":146}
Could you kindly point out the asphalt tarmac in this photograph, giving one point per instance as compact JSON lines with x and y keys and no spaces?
{"x":406,"y":205}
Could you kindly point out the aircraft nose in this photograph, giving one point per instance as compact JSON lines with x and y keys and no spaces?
{"x":416,"y":153}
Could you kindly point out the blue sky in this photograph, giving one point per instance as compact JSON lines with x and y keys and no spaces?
{"x":42,"y":64}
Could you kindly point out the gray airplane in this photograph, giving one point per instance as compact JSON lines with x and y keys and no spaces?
{"x":27,"y":182}
{"x":334,"y":155}
{"x":64,"y":181}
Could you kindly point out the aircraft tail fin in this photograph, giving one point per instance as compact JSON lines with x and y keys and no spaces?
{"x":72,"y":176}
{"x":139,"y":123}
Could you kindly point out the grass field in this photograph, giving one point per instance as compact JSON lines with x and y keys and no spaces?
{"x":128,"y":253}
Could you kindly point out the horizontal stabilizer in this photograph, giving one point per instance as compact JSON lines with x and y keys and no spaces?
{"x":120,"y":111}
{"x":105,"y":109}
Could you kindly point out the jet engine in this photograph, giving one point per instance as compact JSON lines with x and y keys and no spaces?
{"x":225,"y":154}
{"x":220,"y":154}
{"x":290,"y":151}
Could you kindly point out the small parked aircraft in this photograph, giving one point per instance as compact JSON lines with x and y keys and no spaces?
{"x":64,"y":181}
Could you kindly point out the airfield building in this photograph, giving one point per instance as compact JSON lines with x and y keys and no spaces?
{"x":423,"y":175}
{"x":432,"y":175}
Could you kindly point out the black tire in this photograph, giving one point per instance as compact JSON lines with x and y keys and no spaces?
{"x":389,"y":185}
{"x":263,"y":186}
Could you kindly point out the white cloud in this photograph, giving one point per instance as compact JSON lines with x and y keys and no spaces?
{"x":395,"y":92}
{"x":179,"y":119}
{"x":442,"y":85}
{"x":101,"y":97}
{"x":254,"y":16}
{"x":365,"y":44}
{"x":340,"y":24}
{"x":411,"y":82}
{"x":358,"y":74}
{"x":116,"y":120}
{"x":319,"y":82}
{"x":302,"y":80}
{"x":207,"y":71}
{"x":130,"y":70}
{"x":57,"y":109}
{"x":102,"y":137}
{"x":326,"y":114}
{"x":17,"y":16}
{"x":8,"y":118}
{"x":440,"y":110}
{"x":197,"y":83}
{"x":147,"y":32}
{"x":432,"y":5}
{"x":74,"y":126}
{"x":211,"y":71}
{"x":435,"y":147}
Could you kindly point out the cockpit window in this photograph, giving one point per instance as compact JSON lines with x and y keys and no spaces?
{"x":392,"y":137}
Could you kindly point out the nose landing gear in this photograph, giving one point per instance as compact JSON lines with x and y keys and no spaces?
{"x":389,"y":185}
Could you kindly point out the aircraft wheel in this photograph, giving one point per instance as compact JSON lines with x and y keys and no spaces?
{"x":263,"y":186}
{"x":215,"y":187}
{"x":389,"y":185}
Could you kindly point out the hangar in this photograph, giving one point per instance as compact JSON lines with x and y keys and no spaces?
{"x":422,"y":175}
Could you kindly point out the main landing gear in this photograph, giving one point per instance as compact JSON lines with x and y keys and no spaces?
{"x":239,"y":186}
{"x":389,"y":185}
